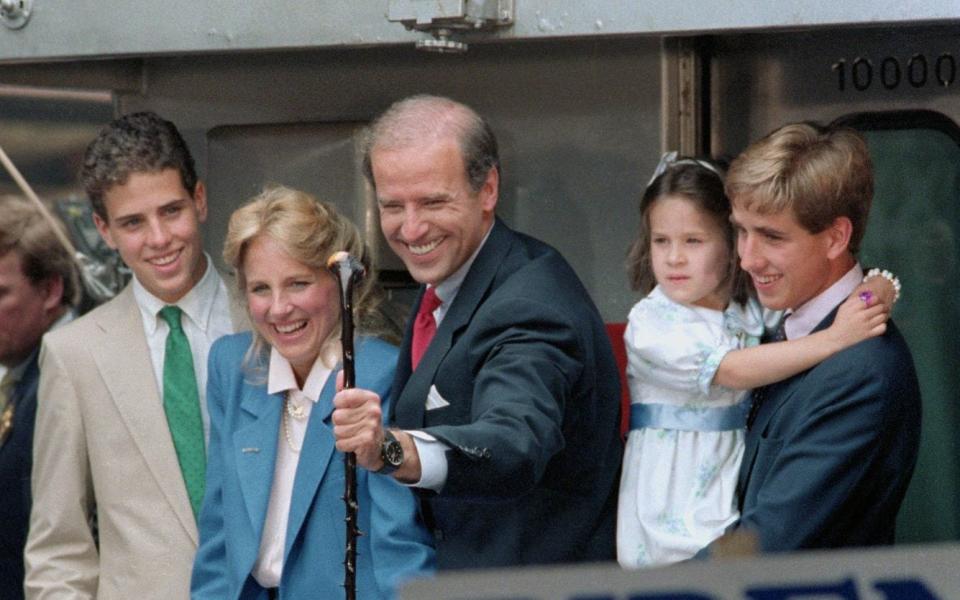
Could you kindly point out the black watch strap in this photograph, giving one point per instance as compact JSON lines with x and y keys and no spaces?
{"x":391,"y":452}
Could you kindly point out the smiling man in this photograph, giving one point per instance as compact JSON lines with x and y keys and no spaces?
{"x":121,"y":418}
{"x":506,"y":416}
{"x":830,"y":451}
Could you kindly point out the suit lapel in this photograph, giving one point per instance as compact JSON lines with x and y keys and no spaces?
{"x":27,"y":385}
{"x":411,"y":403}
{"x":406,"y":417}
{"x":318,"y":449}
{"x":24,"y":388}
{"x":751,"y":444}
{"x":255,"y":450}
{"x":777,"y":395}
{"x":128,"y":374}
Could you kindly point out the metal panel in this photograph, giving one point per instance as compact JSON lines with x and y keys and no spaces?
{"x":116,"y":28}
{"x":319,"y":157}
{"x":917,"y":572}
{"x":763,"y":81}
{"x":125,"y":75}
{"x":44,"y":132}
{"x":578,"y":124}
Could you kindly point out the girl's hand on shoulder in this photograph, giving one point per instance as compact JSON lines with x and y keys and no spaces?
{"x":860,"y":317}
{"x":877,"y":290}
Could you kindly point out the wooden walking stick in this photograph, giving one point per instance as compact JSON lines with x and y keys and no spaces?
{"x":348,"y":272}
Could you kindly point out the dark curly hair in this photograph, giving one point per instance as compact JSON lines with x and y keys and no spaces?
{"x":139,"y":142}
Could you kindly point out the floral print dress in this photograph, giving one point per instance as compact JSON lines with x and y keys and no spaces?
{"x":677,"y":490}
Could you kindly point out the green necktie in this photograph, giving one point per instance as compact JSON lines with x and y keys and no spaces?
{"x":181,"y":402}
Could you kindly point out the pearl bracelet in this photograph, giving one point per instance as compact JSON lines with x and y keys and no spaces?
{"x":889,"y":277}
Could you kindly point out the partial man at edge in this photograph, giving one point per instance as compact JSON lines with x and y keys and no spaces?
{"x":39,"y":291}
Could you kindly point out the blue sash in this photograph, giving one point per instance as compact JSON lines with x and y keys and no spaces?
{"x":685,"y":418}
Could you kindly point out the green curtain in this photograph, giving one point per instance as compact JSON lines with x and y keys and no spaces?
{"x":913,"y":232}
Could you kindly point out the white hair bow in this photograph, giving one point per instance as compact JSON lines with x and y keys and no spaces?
{"x":669,"y":159}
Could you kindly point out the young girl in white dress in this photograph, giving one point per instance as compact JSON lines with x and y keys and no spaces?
{"x":692,"y":351}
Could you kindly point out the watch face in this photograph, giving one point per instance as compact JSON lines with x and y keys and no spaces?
{"x":392,"y":453}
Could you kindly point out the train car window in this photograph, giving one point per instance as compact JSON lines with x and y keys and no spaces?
{"x":914,"y":226}
{"x":44,"y":132}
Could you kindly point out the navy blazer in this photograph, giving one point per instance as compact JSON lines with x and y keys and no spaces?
{"x":523,"y":359}
{"x":831,"y":452}
{"x":16,"y":461}
{"x":244,"y":433}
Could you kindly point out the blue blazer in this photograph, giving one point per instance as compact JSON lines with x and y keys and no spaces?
{"x":533,"y":420}
{"x":15,"y":463}
{"x":832,"y":449}
{"x":244,"y":428}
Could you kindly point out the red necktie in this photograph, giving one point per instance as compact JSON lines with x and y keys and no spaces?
{"x":424,"y":326}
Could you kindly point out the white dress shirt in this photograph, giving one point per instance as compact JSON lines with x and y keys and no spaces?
{"x":269,"y":566}
{"x":807,"y":316}
{"x":16,"y":372}
{"x":206,"y":317}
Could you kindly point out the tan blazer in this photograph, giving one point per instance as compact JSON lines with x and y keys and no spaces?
{"x":103,"y":453}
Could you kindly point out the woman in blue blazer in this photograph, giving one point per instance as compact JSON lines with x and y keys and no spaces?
{"x":272,"y":523}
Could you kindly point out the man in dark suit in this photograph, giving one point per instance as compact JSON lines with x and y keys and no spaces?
{"x":506,"y":419}
{"x":830,"y":451}
{"x":38,"y":287}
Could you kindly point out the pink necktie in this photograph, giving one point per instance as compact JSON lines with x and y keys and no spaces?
{"x":424,"y":326}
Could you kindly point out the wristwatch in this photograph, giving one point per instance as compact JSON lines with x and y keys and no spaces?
{"x":391,"y":452}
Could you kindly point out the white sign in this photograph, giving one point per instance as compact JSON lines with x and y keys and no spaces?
{"x":930,"y":572}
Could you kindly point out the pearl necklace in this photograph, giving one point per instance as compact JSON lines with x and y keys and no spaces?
{"x":295,"y":410}
{"x":287,"y":413}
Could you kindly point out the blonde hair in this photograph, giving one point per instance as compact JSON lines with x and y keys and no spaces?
{"x":140,"y":142}
{"x":309,"y":231}
{"x":817,"y":173}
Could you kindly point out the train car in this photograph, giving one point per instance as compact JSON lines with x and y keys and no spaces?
{"x":584,"y":97}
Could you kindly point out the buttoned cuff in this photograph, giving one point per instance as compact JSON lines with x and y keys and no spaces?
{"x":433,"y":461}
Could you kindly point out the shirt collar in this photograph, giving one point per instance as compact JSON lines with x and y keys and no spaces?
{"x":447,"y":289}
{"x":197,"y":304}
{"x":67,"y":316}
{"x":14,"y":374}
{"x":280,"y":377}
{"x":804,"y":319}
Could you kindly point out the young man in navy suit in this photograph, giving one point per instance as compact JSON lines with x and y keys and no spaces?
{"x":506,"y":418}
{"x":39,"y":286}
{"x":830,"y":451}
